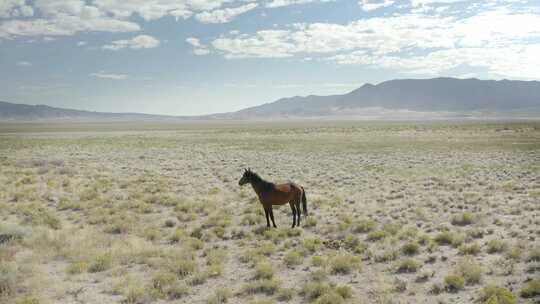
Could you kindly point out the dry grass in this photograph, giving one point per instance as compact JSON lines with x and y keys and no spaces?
{"x":420,"y":212}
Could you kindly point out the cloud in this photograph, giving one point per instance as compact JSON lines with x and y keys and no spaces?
{"x":24,"y":64}
{"x":69,"y":17}
{"x":198,"y":48}
{"x":501,"y":41}
{"x":137,"y":42}
{"x":282,"y":3}
{"x":104,"y":75}
{"x":66,"y":26}
{"x":369,"y":5}
{"x":15,"y":8}
{"x":224,"y":15}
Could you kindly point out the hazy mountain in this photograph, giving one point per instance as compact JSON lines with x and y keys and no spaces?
{"x":407,"y":98}
{"x":12,"y":111}
{"x":442,"y":97}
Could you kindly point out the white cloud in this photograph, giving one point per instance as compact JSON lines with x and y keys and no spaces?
{"x":282,"y":3}
{"x":15,"y":8}
{"x":68,"y":17}
{"x":104,"y":75}
{"x":224,"y":15}
{"x":369,"y":5}
{"x":199,"y":49}
{"x":66,"y":26}
{"x":500,"y":41}
{"x":137,"y":42}
{"x":417,"y":3}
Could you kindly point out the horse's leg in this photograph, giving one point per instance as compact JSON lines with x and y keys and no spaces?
{"x":299,"y":213}
{"x":293,"y":215}
{"x":267,"y":214}
{"x":272,"y":216}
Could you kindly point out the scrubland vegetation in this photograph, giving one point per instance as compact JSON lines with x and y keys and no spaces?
{"x":398,"y":213}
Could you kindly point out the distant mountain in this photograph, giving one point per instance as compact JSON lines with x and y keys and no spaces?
{"x":416,"y":98}
{"x":394,"y":99}
{"x":24,"y":112}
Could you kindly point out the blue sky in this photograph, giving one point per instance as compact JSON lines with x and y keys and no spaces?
{"x":189,"y":57}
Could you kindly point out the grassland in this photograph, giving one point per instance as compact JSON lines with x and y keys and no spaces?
{"x":152,"y":213}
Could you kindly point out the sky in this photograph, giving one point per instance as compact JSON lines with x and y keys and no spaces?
{"x":192,"y":57}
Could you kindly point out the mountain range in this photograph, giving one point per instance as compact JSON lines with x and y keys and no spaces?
{"x":404,"y":98}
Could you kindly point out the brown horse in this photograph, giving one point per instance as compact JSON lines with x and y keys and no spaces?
{"x":271,"y":194}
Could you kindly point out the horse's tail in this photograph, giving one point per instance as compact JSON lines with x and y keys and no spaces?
{"x":304,"y":201}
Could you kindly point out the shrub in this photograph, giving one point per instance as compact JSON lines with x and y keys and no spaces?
{"x":410,"y":248}
{"x":534,"y":255}
{"x":101,"y":262}
{"x":293,"y":258}
{"x":268,"y":287}
{"x":162,"y":281}
{"x":449,"y":238}
{"x":376,"y":235}
{"x":221,"y":296}
{"x":8,"y":279}
{"x":28,"y":300}
{"x":470,"y":270}
{"x":264,"y":270}
{"x":407,"y":266}
{"x":311,"y":245}
{"x":285,"y":294}
{"x":531,"y":289}
{"x":364,"y":226}
{"x":317,"y":261}
{"x":323,"y":292}
{"x":453,"y":283}
{"x":77,"y":267}
{"x":343,"y":264}
{"x":183,"y":264}
{"x":177,"y":291}
{"x":463,"y":219}
{"x":496,"y":246}
{"x":472,"y":249}
{"x":496,"y":295}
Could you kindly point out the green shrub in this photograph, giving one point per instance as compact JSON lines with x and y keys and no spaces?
{"x":220,"y":296}
{"x":162,"y":281}
{"x":472,"y":249}
{"x":183,"y":264}
{"x":264,"y":270}
{"x":454,"y":282}
{"x":496,"y":246}
{"x":293,"y":258}
{"x":268,"y":287}
{"x":101,"y":262}
{"x":496,"y":295}
{"x":343,"y":264}
{"x":364,"y":226}
{"x":285,"y":294}
{"x":470,"y":270}
{"x":534,"y":255}
{"x":463,"y":219}
{"x":531,"y":289}
{"x":407,"y":266}
{"x":449,"y":238}
{"x":410,"y":248}
{"x":376,"y":235}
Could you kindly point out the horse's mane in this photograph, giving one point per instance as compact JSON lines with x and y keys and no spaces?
{"x":266,"y":185}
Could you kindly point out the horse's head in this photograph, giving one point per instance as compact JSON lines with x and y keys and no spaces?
{"x":246,"y":177}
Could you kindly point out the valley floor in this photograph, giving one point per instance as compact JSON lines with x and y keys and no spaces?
{"x":398,"y":213}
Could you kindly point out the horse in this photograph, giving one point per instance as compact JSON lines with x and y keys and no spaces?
{"x":271,"y":194}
